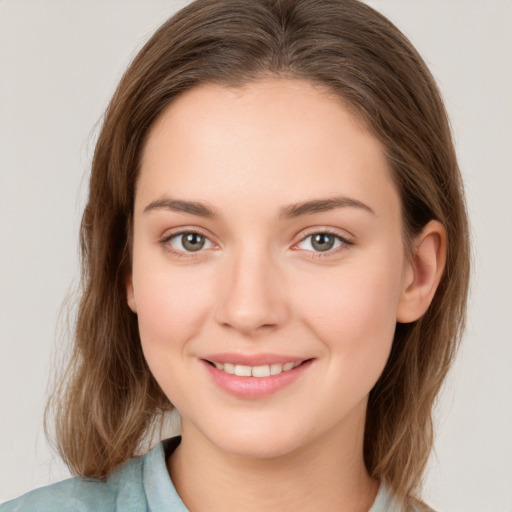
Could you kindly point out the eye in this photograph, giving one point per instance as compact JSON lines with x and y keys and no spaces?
{"x":188,"y":241}
{"x":322,"y":241}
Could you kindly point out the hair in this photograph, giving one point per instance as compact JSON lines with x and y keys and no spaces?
{"x":108,"y":400}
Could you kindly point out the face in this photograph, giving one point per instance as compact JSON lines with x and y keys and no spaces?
{"x":268,"y":264}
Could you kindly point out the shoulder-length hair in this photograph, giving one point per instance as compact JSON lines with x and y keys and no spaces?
{"x":108,"y":400}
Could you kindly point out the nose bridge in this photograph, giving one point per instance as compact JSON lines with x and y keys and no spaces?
{"x":252,"y":299}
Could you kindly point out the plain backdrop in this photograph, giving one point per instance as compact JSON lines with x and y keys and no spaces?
{"x":60,"y":61}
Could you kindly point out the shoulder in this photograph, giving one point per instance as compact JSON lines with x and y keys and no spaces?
{"x":121,"y":491}
{"x":75,"y":494}
{"x":385,"y":501}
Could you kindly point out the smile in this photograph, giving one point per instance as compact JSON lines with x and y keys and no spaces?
{"x":262,"y":378}
{"x":255,"y":371}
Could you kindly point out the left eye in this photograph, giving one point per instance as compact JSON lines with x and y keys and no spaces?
{"x":321,"y":242}
{"x":189,"y":242}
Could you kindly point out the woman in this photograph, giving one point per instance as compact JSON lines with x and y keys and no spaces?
{"x":275,"y":243}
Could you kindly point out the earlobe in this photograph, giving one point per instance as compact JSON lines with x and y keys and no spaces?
{"x":424,"y":272}
{"x":130,"y":294}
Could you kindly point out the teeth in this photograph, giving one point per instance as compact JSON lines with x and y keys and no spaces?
{"x":261,"y":371}
{"x":276,"y":368}
{"x":256,"y":371}
{"x":229,"y":368}
{"x":242,"y":371}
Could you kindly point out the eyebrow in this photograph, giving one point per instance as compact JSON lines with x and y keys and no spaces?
{"x":322,"y":205}
{"x":290,"y":211}
{"x":175,"y":205}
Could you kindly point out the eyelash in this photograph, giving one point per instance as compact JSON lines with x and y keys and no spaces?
{"x":313,"y":254}
{"x":345,"y":243}
{"x":182,"y":254}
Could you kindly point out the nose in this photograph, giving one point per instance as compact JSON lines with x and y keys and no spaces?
{"x":252,"y":296}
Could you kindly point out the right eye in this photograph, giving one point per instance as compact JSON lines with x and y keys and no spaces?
{"x":187,"y":241}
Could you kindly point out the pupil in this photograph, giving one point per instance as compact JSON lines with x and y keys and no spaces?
{"x":322,"y":241}
{"x":193,"y":242}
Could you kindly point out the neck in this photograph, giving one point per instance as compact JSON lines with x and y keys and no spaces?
{"x":327,"y":474}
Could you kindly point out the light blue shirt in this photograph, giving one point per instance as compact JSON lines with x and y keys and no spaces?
{"x":141,"y":484}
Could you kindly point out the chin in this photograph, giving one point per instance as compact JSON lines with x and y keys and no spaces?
{"x":259,"y":440}
{"x":259,"y":447}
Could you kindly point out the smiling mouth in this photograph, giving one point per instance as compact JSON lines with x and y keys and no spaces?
{"x":252,"y":382}
{"x":266,"y":370}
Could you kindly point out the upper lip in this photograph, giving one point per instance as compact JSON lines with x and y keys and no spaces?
{"x":253,"y":359}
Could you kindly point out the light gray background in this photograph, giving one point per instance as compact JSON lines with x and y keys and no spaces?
{"x":59,"y":64}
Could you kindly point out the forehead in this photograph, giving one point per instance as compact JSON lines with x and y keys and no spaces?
{"x":284,"y":139}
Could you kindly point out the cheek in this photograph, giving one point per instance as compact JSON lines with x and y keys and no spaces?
{"x":171,"y":305}
{"x":171,"y":308}
{"x":353,"y":311}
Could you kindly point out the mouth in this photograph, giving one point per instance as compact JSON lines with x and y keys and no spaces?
{"x":259,"y":380}
{"x":261,"y":371}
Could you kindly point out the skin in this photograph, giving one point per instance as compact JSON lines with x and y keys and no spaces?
{"x":259,"y":285}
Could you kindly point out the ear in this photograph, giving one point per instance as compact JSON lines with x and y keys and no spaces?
{"x":423,"y":272}
{"x":130,"y":294}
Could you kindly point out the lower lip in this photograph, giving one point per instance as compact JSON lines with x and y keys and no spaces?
{"x":255,"y":387}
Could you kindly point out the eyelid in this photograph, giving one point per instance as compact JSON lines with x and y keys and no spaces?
{"x":344,"y":235}
{"x":346,"y":241}
{"x":184,"y":230}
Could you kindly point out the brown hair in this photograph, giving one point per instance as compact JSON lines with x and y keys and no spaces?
{"x":108,"y":399}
